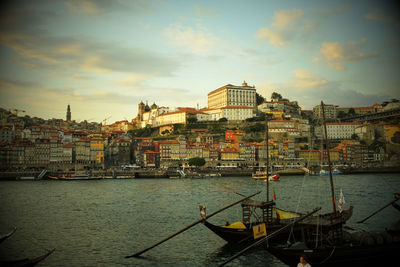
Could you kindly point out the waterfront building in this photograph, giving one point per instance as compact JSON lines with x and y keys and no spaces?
{"x":232,"y":95}
{"x":97,"y":150}
{"x":330,"y":112}
{"x":42,"y":152}
{"x":230,"y":154}
{"x":83,"y":151}
{"x":68,"y":155}
{"x":151,"y":159}
{"x":169,"y":149}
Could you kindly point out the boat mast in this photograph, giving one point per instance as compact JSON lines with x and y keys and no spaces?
{"x":266,"y":142}
{"x":328,"y":157}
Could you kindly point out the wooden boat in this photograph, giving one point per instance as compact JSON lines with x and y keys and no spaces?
{"x":242,"y":231}
{"x":263,"y":176}
{"x":330,"y":245}
{"x":5,"y":236}
{"x":26,"y":262}
{"x":239,"y":232}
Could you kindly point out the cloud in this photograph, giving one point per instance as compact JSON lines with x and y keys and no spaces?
{"x":331,"y":92}
{"x":336,"y":54}
{"x":96,"y":7}
{"x":381,"y":16}
{"x":275,"y":38}
{"x":37,"y":100}
{"x":305,"y":79}
{"x":23,"y":30}
{"x":287,"y":25}
{"x":63,"y":53}
{"x":133,"y":81}
{"x":206,"y":12}
{"x":193,"y":40}
{"x":284,"y":18}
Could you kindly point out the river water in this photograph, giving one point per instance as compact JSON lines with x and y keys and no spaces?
{"x":97,"y":223}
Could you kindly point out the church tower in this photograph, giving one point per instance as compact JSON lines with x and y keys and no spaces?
{"x":68,"y":113}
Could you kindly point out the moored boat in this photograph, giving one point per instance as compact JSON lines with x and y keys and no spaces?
{"x":263,"y":176}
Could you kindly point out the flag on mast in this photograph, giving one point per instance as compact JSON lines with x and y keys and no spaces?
{"x":341,"y":201}
{"x":273,"y":194}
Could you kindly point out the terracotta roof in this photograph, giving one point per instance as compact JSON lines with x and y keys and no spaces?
{"x":343,"y":123}
{"x":151,"y":152}
{"x":168,"y":142}
{"x":364,"y":107}
{"x":229,"y":85}
{"x":170,"y":113}
{"x":69,"y":145}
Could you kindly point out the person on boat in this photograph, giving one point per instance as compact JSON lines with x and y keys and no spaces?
{"x":303,"y":262}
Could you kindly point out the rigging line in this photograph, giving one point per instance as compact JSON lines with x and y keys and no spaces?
{"x":297,"y":207}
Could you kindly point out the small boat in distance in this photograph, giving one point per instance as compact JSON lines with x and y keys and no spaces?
{"x":263,"y":176}
{"x":335,"y":171}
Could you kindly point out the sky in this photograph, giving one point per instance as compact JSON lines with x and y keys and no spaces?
{"x":104,"y":57}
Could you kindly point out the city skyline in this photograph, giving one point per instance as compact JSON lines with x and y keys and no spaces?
{"x":103,"y":58}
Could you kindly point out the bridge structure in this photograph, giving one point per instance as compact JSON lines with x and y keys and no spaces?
{"x":378,"y":116}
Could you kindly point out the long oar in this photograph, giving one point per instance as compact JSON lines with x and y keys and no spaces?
{"x":387,"y":205}
{"x":189,"y":226}
{"x":268,"y":237}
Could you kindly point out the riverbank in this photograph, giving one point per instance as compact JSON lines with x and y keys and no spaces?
{"x":156,"y":173}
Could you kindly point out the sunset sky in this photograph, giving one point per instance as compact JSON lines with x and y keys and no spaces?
{"x":104,"y":57}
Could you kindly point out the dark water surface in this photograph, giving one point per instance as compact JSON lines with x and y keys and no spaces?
{"x":97,"y":223}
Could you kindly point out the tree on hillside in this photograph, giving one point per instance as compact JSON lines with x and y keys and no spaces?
{"x":198,"y":162}
{"x":276,"y":95}
{"x":144,"y":132}
{"x":341,"y":114}
{"x":223,"y":120}
{"x":355,"y":137}
{"x":192,"y":120}
{"x":259,"y":99}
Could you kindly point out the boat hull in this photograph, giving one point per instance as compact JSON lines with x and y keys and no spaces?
{"x":237,"y":236}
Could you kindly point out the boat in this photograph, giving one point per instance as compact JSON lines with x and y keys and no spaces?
{"x":5,"y":236}
{"x":73,"y":177}
{"x":263,"y":176}
{"x":334,"y":172}
{"x":257,"y":213}
{"x":331,"y":245}
{"x":26,"y":262}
